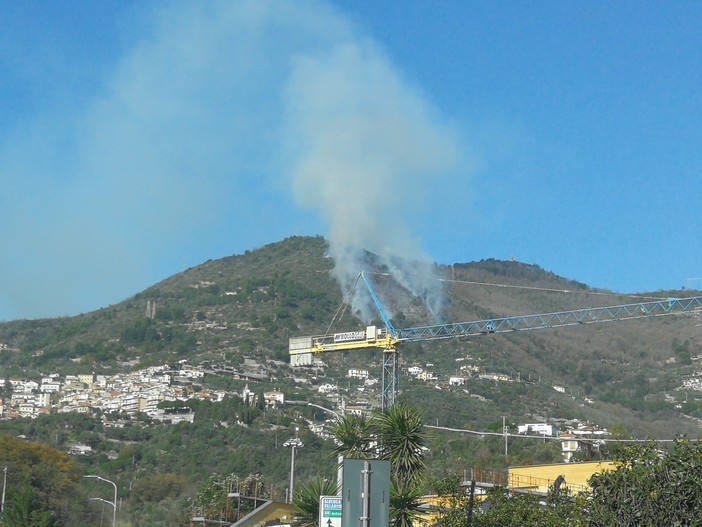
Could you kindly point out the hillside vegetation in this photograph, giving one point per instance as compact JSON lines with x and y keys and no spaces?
{"x":249,"y":305}
{"x":237,"y":313}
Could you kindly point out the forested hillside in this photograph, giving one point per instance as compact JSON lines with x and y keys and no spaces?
{"x":233,"y":317}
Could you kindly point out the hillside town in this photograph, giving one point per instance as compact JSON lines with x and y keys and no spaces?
{"x":146,"y":390}
{"x":130,"y":393}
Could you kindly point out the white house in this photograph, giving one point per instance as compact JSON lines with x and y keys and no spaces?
{"x":414,"y":370}
{"x":43,"y":400}
{"x":569,"y":446}
{"x":494,"y":377}
{"x":191,"y":371}
{"x":247,"y":395}
{"x":80,"y":450}
{"x":274,"y":398}
{"x":50,"y":386}
{"x":543,"y":429}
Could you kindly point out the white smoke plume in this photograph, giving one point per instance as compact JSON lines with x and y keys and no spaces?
{"x":175,"y":152}
{"x":369,"y":151}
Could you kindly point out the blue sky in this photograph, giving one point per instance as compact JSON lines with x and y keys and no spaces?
{"x":138,"y":139}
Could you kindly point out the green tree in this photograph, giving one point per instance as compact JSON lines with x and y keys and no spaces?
{"x":405,"y":504}
{"x":453,"y":503}
{"x":24,"y":510}
{"x":502,"y":508}
{"x":402,"y":440}
{"x":614,"y":449}
{"x":398,"y":436}
{"x":306,"y":501}
{"x":508,"y":510}
{"x":353,"y":437}
{"x":254,"y":487}
{"x":157,"y":487}
{"x":651,"y":486}
{"x":45,"y":478}
{"x":212,"y":495}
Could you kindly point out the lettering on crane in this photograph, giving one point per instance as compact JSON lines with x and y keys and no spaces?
{"x":349,"y":336}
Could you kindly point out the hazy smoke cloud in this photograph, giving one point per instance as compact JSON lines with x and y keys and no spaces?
{"x":179,"y":147}
{"x":370,"y":152}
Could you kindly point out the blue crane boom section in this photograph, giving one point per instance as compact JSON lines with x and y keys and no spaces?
{"x":574,"y":317}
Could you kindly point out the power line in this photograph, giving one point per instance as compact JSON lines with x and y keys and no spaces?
{"x":534,"y":288}
{"x":542,"y":437}
{"x":550,"y":289}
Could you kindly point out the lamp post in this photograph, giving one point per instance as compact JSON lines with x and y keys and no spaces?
{"x":102,"y":513}
{"x":294,"y":442}
{"x":340,"y":458}
{"x":4,"y":486}
{"x":113,"y":503}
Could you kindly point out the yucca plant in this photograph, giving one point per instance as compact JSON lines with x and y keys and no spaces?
{"x":306,"y":501}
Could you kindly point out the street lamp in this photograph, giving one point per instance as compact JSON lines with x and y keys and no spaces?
{"x":113,"y":503}
{"x":340,"y":458}
{"x":294,"y":442}
{"x":103,"y":508}
{"x":4,"y":486}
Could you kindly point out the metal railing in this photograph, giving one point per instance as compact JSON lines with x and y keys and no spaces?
{"x":515,"y":481}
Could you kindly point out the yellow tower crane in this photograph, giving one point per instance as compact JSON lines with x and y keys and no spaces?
{"x":389,"y":339}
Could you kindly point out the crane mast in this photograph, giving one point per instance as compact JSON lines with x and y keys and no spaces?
{"x":389,"y":339}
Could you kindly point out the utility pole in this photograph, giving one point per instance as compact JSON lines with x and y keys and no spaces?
{"x":471,"y":502}
{"x":504,"y":432}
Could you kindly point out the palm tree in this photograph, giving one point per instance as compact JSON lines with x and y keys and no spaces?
{"x":353,"y":438}
{"x":405,"y":503}
{"x":306,"y":501}
{"x":398,"y":436}
{"x":402,"y":440}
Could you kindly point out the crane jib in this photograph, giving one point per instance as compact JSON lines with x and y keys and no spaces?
{"x":668,"y":306}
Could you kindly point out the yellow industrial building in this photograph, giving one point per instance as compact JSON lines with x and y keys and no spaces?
{"x":539,"y":478}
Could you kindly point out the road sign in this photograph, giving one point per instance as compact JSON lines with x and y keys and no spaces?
{"x":330,"y":511}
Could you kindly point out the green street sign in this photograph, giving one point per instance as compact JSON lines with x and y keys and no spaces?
{"x":330,"y":511}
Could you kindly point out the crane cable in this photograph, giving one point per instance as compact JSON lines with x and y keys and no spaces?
{"x":534,"y":288}
{"x":342,"y":307}
{"x":550,"y":289}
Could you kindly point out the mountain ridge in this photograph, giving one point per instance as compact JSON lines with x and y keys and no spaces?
{"x":249,"y":305}
{"x":229,"y":320}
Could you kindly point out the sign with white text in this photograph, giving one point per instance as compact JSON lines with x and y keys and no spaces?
{"x":330,"y":511}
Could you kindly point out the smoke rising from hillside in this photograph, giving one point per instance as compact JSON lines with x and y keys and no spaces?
{"x":175,"y":152}
{"x":369,"y":152}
